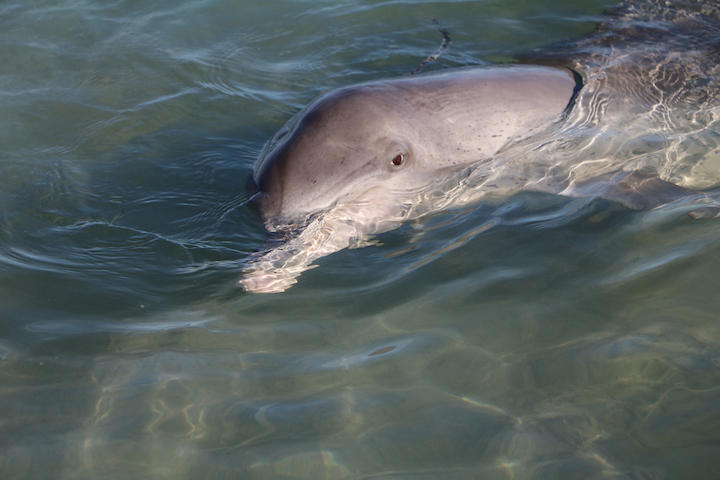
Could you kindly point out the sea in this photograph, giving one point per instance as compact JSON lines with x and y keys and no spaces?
{"x":575,"y":339}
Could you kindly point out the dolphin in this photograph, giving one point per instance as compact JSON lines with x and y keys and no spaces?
{"x":611,"y":121}
{"x":396,"y":134}
{"x":363,"y":158}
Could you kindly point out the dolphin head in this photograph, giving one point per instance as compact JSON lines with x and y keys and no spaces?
{"x":362,"y":159}
{"x":383,"y":141}
{"x":341,"y":146}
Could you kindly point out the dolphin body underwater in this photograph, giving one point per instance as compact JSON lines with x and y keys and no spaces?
{"x":629,"y":113}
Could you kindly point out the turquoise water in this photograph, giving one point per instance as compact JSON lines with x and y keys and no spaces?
{"x":573,"y":339}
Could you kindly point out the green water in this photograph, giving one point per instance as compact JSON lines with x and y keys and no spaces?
{"x":574,"y":339}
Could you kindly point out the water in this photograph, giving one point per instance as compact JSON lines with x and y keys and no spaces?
{"x":536,"y":336}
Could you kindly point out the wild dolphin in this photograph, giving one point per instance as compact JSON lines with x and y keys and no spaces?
{"x":400,"y":134}
{"x":362,"y":159}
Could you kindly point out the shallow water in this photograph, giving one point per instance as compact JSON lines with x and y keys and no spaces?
{"x":536,"y":336}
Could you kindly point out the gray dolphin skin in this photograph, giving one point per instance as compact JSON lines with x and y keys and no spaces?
{"x":640,"y":128}
{"x":369,"y":156}
{"x":403,"y":131}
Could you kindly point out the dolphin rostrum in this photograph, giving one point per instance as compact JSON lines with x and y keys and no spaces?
{"x":364,"y":158}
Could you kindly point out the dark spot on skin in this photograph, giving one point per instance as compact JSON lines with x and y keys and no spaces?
{"x":380,"y":351}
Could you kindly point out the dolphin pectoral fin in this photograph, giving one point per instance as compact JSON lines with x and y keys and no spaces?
{"x":643,"y":191}
{"x":637,"y":190}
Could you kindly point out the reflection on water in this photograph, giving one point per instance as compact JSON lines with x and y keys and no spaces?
{"x":526,"y":336}
{"x":541,"y":358}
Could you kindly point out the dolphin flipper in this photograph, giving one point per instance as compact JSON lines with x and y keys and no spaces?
{"x":636,"y":190}
{"x":642,"y":190}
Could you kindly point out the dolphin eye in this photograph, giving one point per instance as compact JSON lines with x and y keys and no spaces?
{"x":398,"y":160}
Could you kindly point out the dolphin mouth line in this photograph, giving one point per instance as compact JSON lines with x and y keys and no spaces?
{"x":406,"y":202}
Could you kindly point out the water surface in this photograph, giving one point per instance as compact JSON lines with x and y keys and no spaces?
{"x":537,"y":336}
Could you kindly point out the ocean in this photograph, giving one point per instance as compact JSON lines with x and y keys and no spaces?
{"x":536,"y":336}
